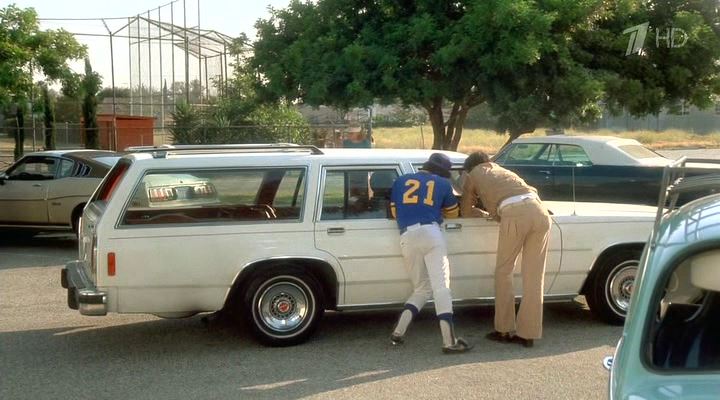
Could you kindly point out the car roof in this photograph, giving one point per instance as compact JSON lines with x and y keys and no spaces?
{"x":575,"y":139}
{"x":602,"y":150}
{"x":79,"y":153}
{"x":349,"y":156}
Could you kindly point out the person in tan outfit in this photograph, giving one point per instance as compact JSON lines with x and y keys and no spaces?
{"x":524,"y":226}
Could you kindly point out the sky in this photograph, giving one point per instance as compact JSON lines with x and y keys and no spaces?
{"x":230,"y":17}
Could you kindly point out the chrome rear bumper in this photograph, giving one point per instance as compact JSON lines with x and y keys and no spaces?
{"x":82,"y":294}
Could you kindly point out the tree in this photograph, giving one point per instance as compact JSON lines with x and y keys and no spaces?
{"x":568,"y":83}
{"x":25,"y":50}
{"x":49,"y":118}
{"x":239,"y":117}
{"x":667,"y":69}
{"x":86,"y":87}
{"x":435,"y":55}
{"x":534,"y":63}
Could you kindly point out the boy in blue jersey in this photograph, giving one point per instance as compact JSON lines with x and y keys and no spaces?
{"x":418,"y":202}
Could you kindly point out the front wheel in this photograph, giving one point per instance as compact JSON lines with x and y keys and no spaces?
{"x":612,"y":284}
{"x":283,"y":308}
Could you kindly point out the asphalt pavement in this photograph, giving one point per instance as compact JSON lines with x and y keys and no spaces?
{"x":48,"y":351}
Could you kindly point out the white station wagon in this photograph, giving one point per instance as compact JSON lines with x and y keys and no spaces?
{"x":283,"y":232}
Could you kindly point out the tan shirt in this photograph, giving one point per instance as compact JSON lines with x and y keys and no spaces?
{"x":492,"y":184}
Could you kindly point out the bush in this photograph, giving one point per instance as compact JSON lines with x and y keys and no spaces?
{"x":265,"y":124}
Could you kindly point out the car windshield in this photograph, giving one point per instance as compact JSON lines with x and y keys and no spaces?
{"x":638,"y":151}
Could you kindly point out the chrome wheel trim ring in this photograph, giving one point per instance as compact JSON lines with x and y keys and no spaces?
{"x":283,"y":306}
{"x":620,"y":284}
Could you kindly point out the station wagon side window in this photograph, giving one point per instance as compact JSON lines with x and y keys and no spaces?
{"x":685,"y":327}
{"x":357,"y":193}
{"x":217,"y":196}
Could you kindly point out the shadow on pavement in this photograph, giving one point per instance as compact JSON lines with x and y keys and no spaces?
{"x":190,"y":359}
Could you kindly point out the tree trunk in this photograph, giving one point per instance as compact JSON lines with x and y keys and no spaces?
{"x":19,"y":133}
{"x":438,"y":125}
{"x":457,"y":135}
{"x":450,"y":128}
{"x":49,"y":120}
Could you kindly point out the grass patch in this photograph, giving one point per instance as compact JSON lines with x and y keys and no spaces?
{"x":490,"y":142}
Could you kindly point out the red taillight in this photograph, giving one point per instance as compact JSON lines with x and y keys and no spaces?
{"x":111,"y":264}
{"x":111,"y":181}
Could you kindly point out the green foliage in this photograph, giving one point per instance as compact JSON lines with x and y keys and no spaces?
{"x":89,"y":87}
{"x":426,"y":53}
{"x":264,"y":124}
{"x":26,"y":50}
{"x":663,"y":74}
{"x":186,"y":126}
{"x":241,"y":116}
{"x":107,"y":92}
{"x":546,"y":62}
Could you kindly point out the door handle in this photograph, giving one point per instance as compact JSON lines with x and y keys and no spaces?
{"x":37,"y":185}
{"x":335,"y":231}
{"x":546,"y":172}
{"x":453,"y":227}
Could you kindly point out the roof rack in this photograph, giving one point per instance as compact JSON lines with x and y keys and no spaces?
{"x":163,"y":150}
{"x":704,"y":179}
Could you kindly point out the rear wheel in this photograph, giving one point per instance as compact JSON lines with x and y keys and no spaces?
{"x":283,"y":306}
{"x":612,"y":285}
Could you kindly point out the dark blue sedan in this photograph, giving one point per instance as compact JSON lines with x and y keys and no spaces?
{"x":587,"y":168}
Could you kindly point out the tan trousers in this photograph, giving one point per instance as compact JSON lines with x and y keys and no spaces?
{"x":524,"y":226}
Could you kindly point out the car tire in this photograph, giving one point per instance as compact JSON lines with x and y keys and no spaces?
{"x":283,"y":306}
{"x":613,"y":279}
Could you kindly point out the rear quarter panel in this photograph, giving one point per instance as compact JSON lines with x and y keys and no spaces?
{"x":585,"y":238}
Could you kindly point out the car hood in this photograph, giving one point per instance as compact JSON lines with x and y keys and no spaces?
{"x":588,"y":209}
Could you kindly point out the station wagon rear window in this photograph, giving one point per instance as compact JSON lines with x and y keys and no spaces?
{"x":209,"y":196}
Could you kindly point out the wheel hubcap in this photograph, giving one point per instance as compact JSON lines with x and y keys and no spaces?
{"x":283,"y":306}
{"x":621,"y":285}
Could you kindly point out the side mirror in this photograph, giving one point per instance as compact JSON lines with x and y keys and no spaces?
{"x":3,"y":178}
{"x":608,"y":362}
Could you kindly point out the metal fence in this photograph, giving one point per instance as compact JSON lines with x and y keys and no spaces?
{"x":71,"y":136}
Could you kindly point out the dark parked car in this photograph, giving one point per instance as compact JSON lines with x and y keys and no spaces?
{"x":588,"y":168}
{"x":47,"y":190}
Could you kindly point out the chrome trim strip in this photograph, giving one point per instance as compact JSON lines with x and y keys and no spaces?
{"x":553,"y":298}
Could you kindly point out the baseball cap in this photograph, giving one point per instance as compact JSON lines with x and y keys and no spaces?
{"x":438,"y":164}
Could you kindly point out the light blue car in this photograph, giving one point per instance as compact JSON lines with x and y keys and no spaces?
{"x":670,"y":347}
